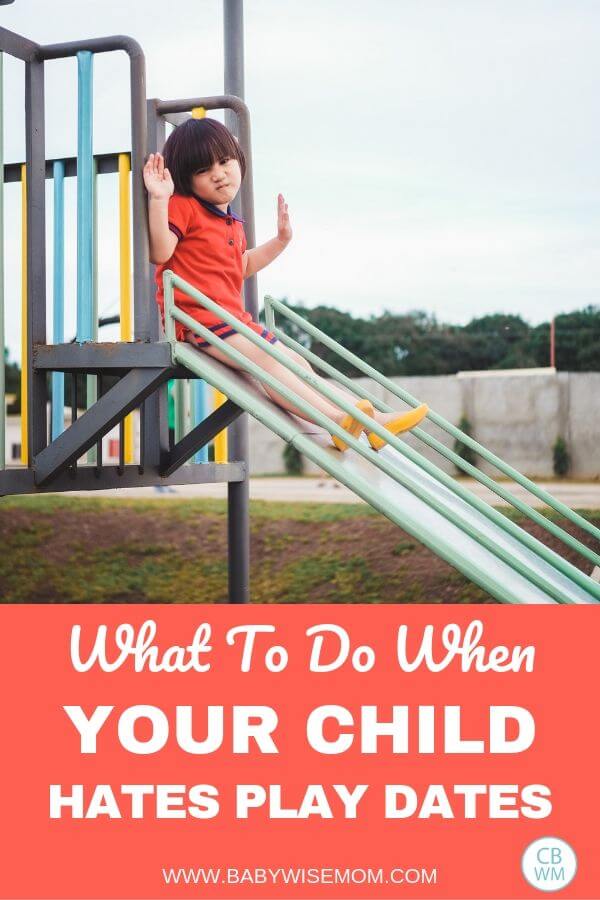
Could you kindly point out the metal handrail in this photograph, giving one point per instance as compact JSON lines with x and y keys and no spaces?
{"x":449,"y":454}
{"x":172,"y":314}
{"x":494,"y":515}
{"x":272,"y":304}
{"x":200,"y":364}
{"x":144,"y":310}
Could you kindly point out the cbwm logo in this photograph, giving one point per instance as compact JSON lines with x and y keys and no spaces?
{"x":549,"y":864}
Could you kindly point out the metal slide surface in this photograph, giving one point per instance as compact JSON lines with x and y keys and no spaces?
{"x":397,"y":502}
{"x":471,"y":548}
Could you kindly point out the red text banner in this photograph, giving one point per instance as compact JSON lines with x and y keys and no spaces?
{"x":299,"y":751}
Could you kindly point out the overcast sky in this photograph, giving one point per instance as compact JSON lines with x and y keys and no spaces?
{"x":436,"y":155}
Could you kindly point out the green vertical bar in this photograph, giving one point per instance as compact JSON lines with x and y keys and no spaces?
{"x":179,"y":409}
{"x":178,"y":390}
{"x":2,"y":348}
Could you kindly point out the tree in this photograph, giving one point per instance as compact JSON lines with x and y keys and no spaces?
{"x":578,"y":340}
{"x":415,"y":343}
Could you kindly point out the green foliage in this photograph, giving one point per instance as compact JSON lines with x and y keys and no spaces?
{"x":578,"y":341}
{"x":415,"y":343}
{"x":293,"y":460}
{"x":463,"y":450}
{"x":560,"y":457}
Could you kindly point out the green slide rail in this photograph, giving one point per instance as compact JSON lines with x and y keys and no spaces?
{"x":228,"y":382}
{"x":271,"y":305}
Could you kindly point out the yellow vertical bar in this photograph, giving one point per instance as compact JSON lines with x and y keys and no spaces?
{"x":221,"y":439}
{"x":24,"y":366}
{"x":220,"y":443}
{"x":125,"y":277}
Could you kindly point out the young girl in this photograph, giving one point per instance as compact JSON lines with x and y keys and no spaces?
{"x":194,"y":232}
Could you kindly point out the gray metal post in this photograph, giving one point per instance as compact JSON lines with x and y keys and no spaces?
{"x":143,"y":310}
{"x":155,"y":419}
{"x":144,"y":307}
{"x":35,"y":155}
{"x":238,"y":501}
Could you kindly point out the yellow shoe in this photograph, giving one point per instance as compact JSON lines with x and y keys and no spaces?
{"x":402,"y":422}
{"x":352,"y":425}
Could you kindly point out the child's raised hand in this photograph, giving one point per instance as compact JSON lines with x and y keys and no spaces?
{"x":157,"y":178}
{"x":284,"y":229}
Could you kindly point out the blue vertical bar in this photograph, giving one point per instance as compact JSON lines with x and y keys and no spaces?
{"x":95,"y":249}
{"x":91,"y":382}
{"x":199,"y":412}
{"x":85,"y":199}
{"x":58,"y":300}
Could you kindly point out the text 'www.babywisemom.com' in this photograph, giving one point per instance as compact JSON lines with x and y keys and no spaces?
{"x":298,"y":875}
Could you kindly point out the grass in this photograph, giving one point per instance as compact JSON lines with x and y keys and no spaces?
{"x":157,"y":572}
{"x":97,"y":550}
{"x":184,"y":509}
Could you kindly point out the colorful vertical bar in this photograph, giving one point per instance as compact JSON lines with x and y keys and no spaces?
{"x":180,"y":410}
{"x":95,"y":249}
{"x":58,"y":299}
{"x":85,"y":198}
{"x":91,"y":381}
{"x":221,"y":438}
{"x":125,"y":276}
{"x":199,"y":413}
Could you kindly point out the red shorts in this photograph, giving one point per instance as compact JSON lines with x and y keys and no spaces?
{"x":223,"y":330}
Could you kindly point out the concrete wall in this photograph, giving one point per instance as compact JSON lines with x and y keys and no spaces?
{"x":517,"y":415}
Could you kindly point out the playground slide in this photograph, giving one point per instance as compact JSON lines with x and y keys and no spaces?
{"x":466,"y":545}
{"x":477,"y":547}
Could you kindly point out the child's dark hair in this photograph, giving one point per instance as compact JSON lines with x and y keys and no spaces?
{"x":198,"y":144}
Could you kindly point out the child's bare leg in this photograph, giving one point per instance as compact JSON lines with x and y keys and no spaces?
{"x":287,"y":378}
{"x":330,"y":383}
{"x":381,"y":417}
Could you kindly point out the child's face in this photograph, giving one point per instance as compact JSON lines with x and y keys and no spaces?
{"x":220,"y":183}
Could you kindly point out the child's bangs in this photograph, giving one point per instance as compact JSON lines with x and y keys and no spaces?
{"x":212,"y":144}
{"x":213,"y":147}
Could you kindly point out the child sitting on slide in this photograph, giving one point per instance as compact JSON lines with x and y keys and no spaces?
{"x":194,"y":232}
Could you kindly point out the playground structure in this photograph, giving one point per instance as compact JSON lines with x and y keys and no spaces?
{"x":482,"y":543}
{"x":56,"y":460}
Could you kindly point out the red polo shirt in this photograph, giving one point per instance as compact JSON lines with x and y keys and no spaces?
{"x":208,"y":255}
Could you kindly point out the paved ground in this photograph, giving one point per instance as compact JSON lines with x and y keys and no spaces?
{"x":582,"y":495}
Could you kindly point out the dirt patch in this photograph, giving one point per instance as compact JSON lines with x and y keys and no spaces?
{"x":126,"y":552}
